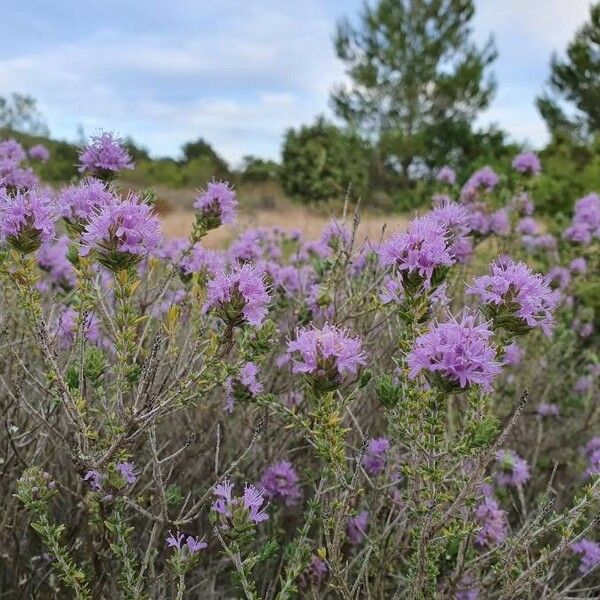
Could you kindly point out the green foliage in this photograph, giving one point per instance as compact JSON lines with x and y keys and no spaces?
{"x":321,"y":162}
{"x":19,"y":112}
{"x":418,"y":81}
{"x":576,"y":82}
{"x":256,"y":169}
{"x":201,"y":149}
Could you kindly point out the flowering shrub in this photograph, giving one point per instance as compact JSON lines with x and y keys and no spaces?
{"x":413,"y":417}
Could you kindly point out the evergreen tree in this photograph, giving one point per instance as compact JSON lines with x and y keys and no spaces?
{"x":574,"y":84}
{"x":417,"y":79}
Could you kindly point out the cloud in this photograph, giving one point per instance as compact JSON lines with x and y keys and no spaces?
{"x":235,"y":72}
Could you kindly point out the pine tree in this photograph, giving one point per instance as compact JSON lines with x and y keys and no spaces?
{"x":417,"y":79}
{"x":571,"y":104}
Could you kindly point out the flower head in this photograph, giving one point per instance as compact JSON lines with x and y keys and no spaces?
{"x":375,"y":455}
{"x":456,"y":355}
{"x":589,"y":554}
{"x":446,"y":175}
{"x":179,"y":541}
{"x":39,"y":152}
{"x":492,"y":521}
{"x":527,"y":163}
{"x":585,"y":224}
{"x":356,"y":527}
{"x":244,"y":387}
{"x":127,"y":472}
{"x":484,"y":179}
{"x":420,"y":253}
{"x":216,"y":205}
{"x":280,"y":482}
{"x":516,"y":298}
{"x":514,"y":470}
{"x":79,"y":203}
{"x":120,"y":234}
{"x":335,"y":235}
{"x":326,"y":354}
{"x":236,"y":511}
{"x":105,"y":156}
{"x":27,"y":219}
{"x":52,"y":258}
{"x":238,"y":296}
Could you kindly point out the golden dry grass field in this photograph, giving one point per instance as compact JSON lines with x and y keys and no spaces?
{"x":265,"y":206}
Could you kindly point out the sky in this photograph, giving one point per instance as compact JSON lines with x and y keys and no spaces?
{"x":236,"y":72}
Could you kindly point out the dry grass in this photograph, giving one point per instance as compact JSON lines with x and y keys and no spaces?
{"x":265,"y":206}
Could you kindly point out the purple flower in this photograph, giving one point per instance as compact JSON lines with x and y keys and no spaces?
{"x":250,"y":504}
{"x":127,"y":472}
{"x":592,"y":455}
{"x":586,"y":221}
{"x":516,"y":298}
{"x":527,"y":163}
{"x":179,"y":541}
{"x":105,"y":156}
{"x":456,"y":355}
{"x":578,"y":265}
{"x":499,"y":223}
{"x":39,"y":152}
{"x":454,"y":218}
{"x":513,"y":354}
{"x":446,"y":175}
{"x":244,"y":387}
{"x":317,"y":570}
{"x":120,"y":234}
{"x":375,"y":455}
{"x":335,"y":235}
{"x":201,"y":260}
{"x":419,"y":252}
{"x":238,"y":296}
{"x":52,"y":258}
{"x":467,"y":589}
{"x":356,"y":527}
{"x":67,"y":326}
{"x":11,"y":173}
{"x":528,"y":226}
{"x":79,"y":203}
{"x":492,"y":521}
{"x":522,"y":204}
{"x":280,"y":482}
{"x":216,"y":205}
{"x":94,"y":478}
{"x":589,"y":553}
{"x":483,"y":180}
{"x":327,"y":354}
{"x":27,"y":219}
{"x":514,"y":470}
{"x":546,"y":409}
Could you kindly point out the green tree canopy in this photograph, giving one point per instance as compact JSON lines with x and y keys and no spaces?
{"x":201,"y":149}
{"x":571,"y":104}
{"x":417,"y":79}
{"x":321,"y":161}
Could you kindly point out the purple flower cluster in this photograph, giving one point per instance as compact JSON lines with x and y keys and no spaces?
{"x":335,"y":235}
{"x":483,"y":180}
{"x":280,"y":483}
{"x":238,"y":296}
{"x":589,"y":554}
{"x":375,"y":455}
{"x":27,"y":219}
{"x":79,"y":203}
{"x":419,"y":252}
{"x":527,"y":163}
{"x":250,"y":504}
{"x":454,"y":218}
{"x":179,"y":541}
{"x":446,"y":175}
{"x":592,"y":455}
{"x":121,"y":233}
{"x":516,"y":298}
{"x":245,"y":386}
{"x":12,"y":174}
{"x":456,"y":354}
{"x":327,"y":354}
{"x":39,"y":152}
{"x":356,"y":527}
{"x":585,"y":225}
{"x":105,"y":156}
{"x":216,"y":205}
{"x":492,"y":520}
{"x":52,"y":258}
{"x":514,"y":470}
